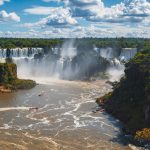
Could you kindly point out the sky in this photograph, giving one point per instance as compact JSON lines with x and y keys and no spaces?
{"x":74,"y":18}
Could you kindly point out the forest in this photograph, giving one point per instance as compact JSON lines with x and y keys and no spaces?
{"x":80,"y":43}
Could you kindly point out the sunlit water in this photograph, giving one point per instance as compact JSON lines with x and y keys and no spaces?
{"x":64,"y":121}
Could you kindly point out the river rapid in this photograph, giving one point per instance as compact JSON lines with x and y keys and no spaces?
{"x":64,"y":119}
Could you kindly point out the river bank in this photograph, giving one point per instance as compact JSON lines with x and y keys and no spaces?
{"x":3,"y":89}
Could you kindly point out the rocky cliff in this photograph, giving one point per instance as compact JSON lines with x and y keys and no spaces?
{"x":9,"y":80}
{"x":8,"y":73}
{"x":130,"y":99}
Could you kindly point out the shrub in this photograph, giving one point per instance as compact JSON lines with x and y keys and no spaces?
{"x":143,"y":134}
{"x":24,"y":84}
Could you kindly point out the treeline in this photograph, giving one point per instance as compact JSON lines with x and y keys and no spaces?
{"x":139,"y":43}
{"x":23,"y":42}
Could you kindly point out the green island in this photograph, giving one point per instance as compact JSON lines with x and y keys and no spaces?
{"x":9,"y":81}
{"x":130,"y":99}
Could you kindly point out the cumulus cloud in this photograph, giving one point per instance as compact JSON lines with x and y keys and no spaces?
{"x":2,"y":1}
{"x":95,"y":11}
{"x":121,"y":19}
{"x":4,"y":16}
{"x":59,"y":17}
{"x":90,"y":31}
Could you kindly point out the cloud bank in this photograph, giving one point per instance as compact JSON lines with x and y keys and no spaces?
{"x":83,"y":18}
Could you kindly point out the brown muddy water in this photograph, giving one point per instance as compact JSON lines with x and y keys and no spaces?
{"x":64,"y":120}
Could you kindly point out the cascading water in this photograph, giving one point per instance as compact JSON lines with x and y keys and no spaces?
{"x":116,"y":67}
{"x":116,"y":70}
{"x":33,"y":62}
{"x":67,"y":62}
{"x":128,"y":53}
{"x":20,"y":52}
{"x":65,"y":108}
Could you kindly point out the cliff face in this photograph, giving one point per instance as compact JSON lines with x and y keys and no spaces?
{"x":130,"y":100}
{"x":8,"y":72}
{"x":9,"y":80}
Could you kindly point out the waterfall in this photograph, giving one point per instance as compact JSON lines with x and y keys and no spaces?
{"x":67,"y":62}
{"x":19,"y":53}
{"x":128,"y":53}
{"x":116,"y":68}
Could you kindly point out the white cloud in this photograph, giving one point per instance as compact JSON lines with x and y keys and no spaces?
{"x":78,"y":31}
{"x":59,"y":17}
{"x":95,"y":10}
{"x":4,"y":16}
{"x":121,"y":19}
{"x":2,"y":1}
{"x":55,"y":1}
{"x":39,"y":10}
{"x":130,"y":18}
{"x":132,"y":11}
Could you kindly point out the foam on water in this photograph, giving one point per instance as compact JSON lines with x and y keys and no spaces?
{"x":41,"y":139}
{"x":57,"y":121}
{"x":5,"y":126}
{"x":14,"y":108}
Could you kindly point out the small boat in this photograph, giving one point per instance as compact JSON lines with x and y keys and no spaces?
{"x":33,"y":108}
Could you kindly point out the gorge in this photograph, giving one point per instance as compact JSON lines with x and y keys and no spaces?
{"x":70,"y":61}
{"x":70,"y":78}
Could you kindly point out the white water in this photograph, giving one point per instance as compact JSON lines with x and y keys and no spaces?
{"x":128,"y":53}
{"x":64,"y":115}
{"x":64,"y":119}
{"x":61,"y":64}
{"x":14,"y":108}
{"x":116,"y":69}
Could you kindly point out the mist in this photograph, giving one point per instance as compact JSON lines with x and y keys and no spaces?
{"x":69,"y":61}
{"x":68,"y":49}
{"x":116,"y":68}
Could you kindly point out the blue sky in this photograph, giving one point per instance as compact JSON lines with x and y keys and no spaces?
{"x":74,"y":18}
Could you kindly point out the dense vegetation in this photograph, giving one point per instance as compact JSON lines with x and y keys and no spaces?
{"x":83,"y":43}
{"x":8,"y":78}
{"x":23,"y":84}
{"x":130,"y":100}
{"x":21,"y":42}
{"x":8,"y":73}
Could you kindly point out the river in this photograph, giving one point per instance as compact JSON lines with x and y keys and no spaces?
{"x":64,"y":120}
